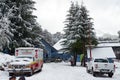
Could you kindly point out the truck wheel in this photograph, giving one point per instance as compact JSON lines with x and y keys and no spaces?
{"x":93,"y":73}
{"x":40,"y":69}
{"x":110,"y":74}
{"x":88,"y":71}
{"x":31,"y":73}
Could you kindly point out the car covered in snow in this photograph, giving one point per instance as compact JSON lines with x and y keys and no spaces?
{"x":101,"y":66}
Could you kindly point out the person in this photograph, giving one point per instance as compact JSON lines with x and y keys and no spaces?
{"x":72,"y":61}
{"x":12,"y":78}
{"x":22,"y":78}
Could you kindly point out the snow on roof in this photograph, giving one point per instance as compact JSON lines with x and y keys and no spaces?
{"x":108,"y":44}
{"x":27,"y":48}
{"x":105,"y":52}
{"x":58,"y":45}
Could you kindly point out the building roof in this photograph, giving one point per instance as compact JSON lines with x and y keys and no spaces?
{"x":108,"y":45}
{"x":58,"y":45}
{"x":101,"y":50}
{"x":46,"y":44}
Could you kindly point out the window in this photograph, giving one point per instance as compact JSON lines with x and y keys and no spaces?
{"x":101,"y":60}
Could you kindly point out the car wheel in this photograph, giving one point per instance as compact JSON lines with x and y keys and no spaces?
{"x":110,"y":74}
{"x":88,"y":71}
{"x":93,"y":73}
{"x":31,"y":73}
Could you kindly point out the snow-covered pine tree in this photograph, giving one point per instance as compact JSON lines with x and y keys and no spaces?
{"x":5,"y":34}
{"x":56,"y":37}
{"x":47,"y":36}
{"x":70,"y":29}
{"x":69,"y":22}
{"x":87,"y":31}
{"x":78,"y":30}
{"x":18,"y":24}
{"x":23,"y":22}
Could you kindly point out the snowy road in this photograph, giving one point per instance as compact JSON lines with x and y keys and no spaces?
{"x":63,"y":71}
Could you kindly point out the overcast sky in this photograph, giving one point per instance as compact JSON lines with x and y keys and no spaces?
{"x":52,"y":13}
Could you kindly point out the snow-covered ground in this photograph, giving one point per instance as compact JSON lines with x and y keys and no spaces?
{"x":63,"y":71}
{"x":5,"y":58}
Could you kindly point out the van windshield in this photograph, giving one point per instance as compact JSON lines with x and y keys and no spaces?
{"x":24,"y":57}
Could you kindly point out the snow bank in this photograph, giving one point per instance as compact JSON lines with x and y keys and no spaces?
{"x":5,"y":58}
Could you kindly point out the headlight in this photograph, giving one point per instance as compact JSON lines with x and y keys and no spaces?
{"x":27,"y":66}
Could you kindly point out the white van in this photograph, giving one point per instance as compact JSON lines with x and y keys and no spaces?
{"x":28,"y":60}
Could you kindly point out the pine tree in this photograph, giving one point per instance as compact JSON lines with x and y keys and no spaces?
{"x":69,"y":24}
{"x":56,"y":37}
{"x":5,"y":34}
{"x":23,"y":22}
{"x":78,"y":31}
{"x":118,"y":34}
{"x":47,"y":36}
{"x":70,"y":28}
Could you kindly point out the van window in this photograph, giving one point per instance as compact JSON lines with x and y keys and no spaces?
{"x":24,"y":57}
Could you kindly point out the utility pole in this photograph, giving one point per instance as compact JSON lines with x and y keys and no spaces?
{"x":90,"y":42}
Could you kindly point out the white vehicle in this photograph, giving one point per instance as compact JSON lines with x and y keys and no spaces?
{"x":101,"y":65}
{"x":28,"y":60}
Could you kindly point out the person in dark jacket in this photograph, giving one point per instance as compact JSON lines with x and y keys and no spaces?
{"x":12,"y":78}
{"x":22,"y":78}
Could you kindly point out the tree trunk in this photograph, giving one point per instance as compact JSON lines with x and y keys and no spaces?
{"x":84,"y":52}
{"x":75,"y":58}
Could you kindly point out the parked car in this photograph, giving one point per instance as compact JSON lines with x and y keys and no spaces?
{"x":101,"y":66}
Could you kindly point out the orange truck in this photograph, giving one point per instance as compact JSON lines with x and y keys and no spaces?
{"x":27,"y":61}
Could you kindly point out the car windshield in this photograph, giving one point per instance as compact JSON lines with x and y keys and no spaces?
{"x":101,"y":60}
{"x":24,"y":57}
{"x":110,"y":60}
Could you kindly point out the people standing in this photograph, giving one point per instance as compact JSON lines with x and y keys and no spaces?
{"x":72,"y":61}
{"x":22,"y":78}
{"x":12,"y":78}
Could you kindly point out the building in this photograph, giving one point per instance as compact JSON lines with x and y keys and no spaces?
{"x":106,"y":49}
{"x":63,"y":54}
{"x":50,"y":52}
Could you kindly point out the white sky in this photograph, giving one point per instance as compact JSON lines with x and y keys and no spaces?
{"x":106,"y":14}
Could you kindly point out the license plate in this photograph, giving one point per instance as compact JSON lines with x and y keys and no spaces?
{"x":105,"y":65}
{"x":104,"y":70}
